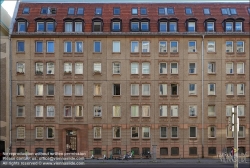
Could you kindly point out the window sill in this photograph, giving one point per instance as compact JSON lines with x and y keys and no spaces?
{"x":212,"y":138}
{"x":134,"y":138}
{"x":118,"y":74}
{"x":145,"y":95}
{"x":116,"y":95}
{"x":97,"y":138}
{"x":164,"y":117}
{"x":163,"y":138}
{"x":38,"y":53}
{"x":20,"y":52}
{"x":38,"y":74}
{"x":163,"y":53}
{"x":20,"y":96}
{"x":79,"y":117}
{"x":231,"y":96}
{"x":163,"y":74}
{"x":192,"y":74}
{"x":38,"y":117}
{"x":117,"y":138}
{"x":97,"y":117}
{"x":50,"y":74}
{"x":174,"y":138}
{"x":241,"y":74}
{"x":229,"y":53}
{"x":193,"y":138}
{"x":211,"y":95}
{"x":20,"y":117}
{"x":134,"y":53}
{"x":230,"y":74}
{"x":192,"y":52}
{"x":241,"y":95}
{"x":97,"y":53}
{"x":117,"y":117}
{"x":145,"y":138}
{"x":212,"y":52}
{"x":211,"y":73}
{"x":211,"y":116}
{"x":38,"y":139}
{"x":97,"y":95}
{"x":67,"y":53}
{"x":20,"y":73}
{"x":50,"y":139}
{"x":116,"y":52}
{"x":50,"y":96}
{"x":193,"y":95}
{"x":20,"y":139}
{"x":135,"y":96}
{"x":50,"y":53}
{"x":240,"y":53}
{"x":175,"y":74}
{"x":174,"y":53}
{"x":67,"y":73}
{"x":174,"y":95}
{"x":50,"y":117}
{"x":192,"y":116}
{"x":136,"y":117}
{"x":174,"y":116}
{"x":97,"y":73}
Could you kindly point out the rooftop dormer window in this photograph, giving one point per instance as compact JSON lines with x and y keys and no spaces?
{"x":71,"y":11}
{"x":116,"y":24}
{"x":143,"y":11}
{"x":98,"y":11}
{"x":210,"y":25}
{"x":228,"y":11}
{"x":206,"y":11}
{"x":22,"y":25}
{"x":248,"y":9}
{"x":48,"y":10}
{"x":191,"y":25}
{"x":26,"y":10}
{"x":166,"y":11}
{"x":45,"y":25}
{"x":188,"y":11}
{"x":134,"y":11}
{"x":116,"y":11}
{"x":80,"y":11}
{"x":44,"y":10}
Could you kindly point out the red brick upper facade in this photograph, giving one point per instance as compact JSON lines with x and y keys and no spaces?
{"x":125,"y":18}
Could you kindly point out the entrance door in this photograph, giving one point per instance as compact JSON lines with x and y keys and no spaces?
{"x":71,"y":141}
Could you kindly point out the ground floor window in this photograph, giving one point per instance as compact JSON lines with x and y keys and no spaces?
{"x":97,"y":151}
{"x":163,"y":151}
{"x":174,"y":151}
{"x":192,"y":151}
{"x":116,"y":151}
{"x":136,"y":150}
{"x":20,"y":150}
{"x":211,"y":150}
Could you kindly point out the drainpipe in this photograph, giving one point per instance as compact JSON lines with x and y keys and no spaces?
{"x":202,"y":95}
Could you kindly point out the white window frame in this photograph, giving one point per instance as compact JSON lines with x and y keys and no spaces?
{"x":48,"y":24}
{"x":211,"y":67}
{"x":238,"y":28}
{"x":145,"y":47}
{"x":240,"y":89}
{"x":163,"y":87}
{"x":49,"y":49}
{"x":39,"y":89}
{"x":114,"y":132}
{"x":145,"y":68}
{"x":145,"y":131}
{"x":229,"y":27}
{"x":240,"y":46}
{"x":190,"y":25}
{"x":240,"y":68}
{"x":97,"y":89}
{"x":134,"y":68}
{"x":211,"y":46}
{"x":116,"y":67}
{"x":97,"y":132}
{"x":173,"y":130}
{"x":172,"y":24}
{"x":194,"y":132}
{"x":50,"y":111}
{"x":67,"y":111}
{"x":78,"y":89}
{"x":211,"y":89}
{"x":20,"y":67}
{"x":134,"y":89}
{"x":67,"y":89}
{"x":97,"y":67}
{"x":116,"y":111}
{"x":191,"y":48}
{"x":20,"y":24}
{"x":172,"y":87}
{"x":97,"y":111}
{"x":165,"y":135}
{"x":241,"y":132}
{"x":229,"y":68}
{"x":229,"y":110}
{"x":174,"y":70}
{"x":133,"y":47}
{"x":97,"y":50}
{"x":68,"y":27}
{"x":229,"y":89}
{"x":20,"y":111}
{"x":67,"y":67}
{"x":145,"y":90}
{"x":134,"y":110}
{"x":135,"y":130}
{"x":53,"y":132}
{"x":50,"y":68}
{"x":20,"y":132}
{"x":78,"y":68}
{"x":211,"y":132}
{"x":163,"y":47}
{"x":163,"y":68}
{"x":116,"y":46}
{"x":38,"y":26}
{"x":163,"y":109}
{"x":78,"y":46}
{"x":172,"y":49}
{"x":192,"y":89}
{"x":48,"y":94}
{"x":165,"y":24}
{"x":210,"y":28}
{"x":20,"y":90}
{"x":229,"y":46}
{"x":192,"y":70}
{"x":78,"y":26}
{"x":78,"y":111}
{"x":39,"y":111}
{"x":241,"y":110}
{"x":211,"y":110}
{"x":39,"y":68}
{"x":66,"y":45}
{"x":39,"y":132}
{"x":192,"y":111}
{"x":174,"y":110}
{"x":145,"y":110}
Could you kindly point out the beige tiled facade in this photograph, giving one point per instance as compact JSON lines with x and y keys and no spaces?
{"x":84,"y":126}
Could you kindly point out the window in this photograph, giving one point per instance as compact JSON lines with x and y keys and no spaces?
{"x":165,"y":11}
{"x":68,"y":46}
{"x":134,"y":68}
{"x":163,"y":110}
{"x":135,"y":26}
{"x":233,"y":11}
{"x":240,"y":46}
{"x":134,"y":89}
{"x":116,"y":47}
{"x":39,"y":111}
{"x":145,"y":89}
{"x":78,"y":47}
{"x":174,"y":68}
{"x":241,"y":133}
{"x":78,"y":111}
{"x":26,"y":10}
{"x":116,"y":90}
{"x":44,"y":10}
{"x":241,"y":89}
{"x":188,"y":11}
{"x":192,"y":46}
{"x":20,"y":132}
{"x":163,"y":132}
{"x":211,"y":46}
{"x":116,"y":68}
{"x":192,"y":132}
{"x":116,"y":111}
{"x":144,"y":26}
{"x":39,"y":132}
{"x":21,"y":26}
{"x":97,"y":90}
{"x":134,"y":132}
{"x":192,"y":111}
{"x":211,"y":67}
{"x":174,"y":89}
{"x":192,"y":89}
{"x":206,"y":11}
{"x":80,"y":11}
{"x":78,"y":68}
{"x":97,"y":46}
{"x":68,"y":26}
{"x":163,"y":151}
{"x":116,"y":132}
{"x":39,"y":89}
{"x":78,"y":89}
{"x":174,"y":132}
{"x":229,"y":110}
{"x":50,"y":90}
{"x":50,"y":46}
{"x":97,"y":26}
{"x":162,"y":46}
{"x":210,"y":26}
{"x":211,"y":150}
{"x":248,"y":9}
{"x":143,"y":11}
{"x":20,"y":111}
{"x":39,"y":46}
{"x":145,"y":111}
{"x":211,"y":110}
{"x":67,"y":67}
{"x":230,"y":133}
{"x":192,"y":68}
{"x":192,"y":150}
{"x":134,"y":46}
{"x":50,"y":111}
{"x":40,"y":27}
{"x":238,"y":26}
{"x":134,"y":11}
{"x":240,"y":68}
{"x":78,"y":26}
{"x":163,"y":89}
{"x":174,"y":110}
{"x":20,"y":89}
{"x":67,"y":111}
{"x":229,"y":89}
{"x":98,"y":11}
{"x":97,"y":151}
{"x":173,"y":46}
{"x":97,"y":132}
{"x":145,"y":46}
{"x":191,"y":27}
{"x":71,"y":11}
{"x":20,"y":67}
{"x":229,"y":27}
{"x":97,"y":67}
{"x":67,"y":90}
{"x":211,"y":88}
{"x":49,"y":26}
{"x":39,"y":68}
{"x":116,"y":11}
{"x":172,"y":26}
{"x":163,"y":68}
{"x":229,"y":46}
{"x":116,"y":151}
{"x":20,"y":46}
{"x":145,"y":68}
{"x":97,"y":111}
{"x":145,"y":132}
{"x":228,"y":11}
{"x":134,"y":111}
{"x":241,"y":110}
{"x":116,"y":26}
{"x":229,"y":68}
{"x":211,"y":132}
{"x":50,"y":132}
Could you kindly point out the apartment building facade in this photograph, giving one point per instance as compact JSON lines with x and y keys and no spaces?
{"x":112,"y":78}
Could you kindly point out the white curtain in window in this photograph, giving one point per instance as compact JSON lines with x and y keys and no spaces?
{"x":163,"y":110}
{"x":78,"y":68}
{"x":78,"y":27}
{"x":145,"y":111}
{"x":68,"y":27}
{"x":134,"y":111}
{"x":78,"y":89}
{"x":116,"y":111}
